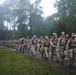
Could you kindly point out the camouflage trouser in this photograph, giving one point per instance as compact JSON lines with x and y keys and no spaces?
{"x":55,"y":52}
{"x":16,"y":47}
{"x":62,"y":54}
{"x":19,"y":47}
{"x":28,"y":49}
{"x":33,"y":50}
{"x":45,"y":52}
{"x":72,"y":54}
{"x":52,"y":52}
{"x":38,"y":47}
{"x":23,"y":48}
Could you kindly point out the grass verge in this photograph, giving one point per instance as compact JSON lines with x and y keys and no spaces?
{"x":15,"y":63}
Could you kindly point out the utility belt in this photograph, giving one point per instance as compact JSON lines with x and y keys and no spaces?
{"x":34,"y":43}
{"x":62,"y":44}
{"x":62,"y":48}
{"x":46,"y":45}
{"x":22,"y":43}
{"x":72,"y":46}
{"x":39,"y":42}
{"x":55,"y":44}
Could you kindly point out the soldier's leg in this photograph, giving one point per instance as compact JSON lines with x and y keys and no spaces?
{"x":16,"y":48}
{"x":25,"y":49}
{"x":62,"y":54}
{"x":42,"y":52}
{"x":41,"y":48}
{"x":57,"y":55}
{"x":61,"y":57}
{"x":52,"y":53}
{"x":49,"y":52}
{"x":46,"y":53}
{"x":38,"y":47}
{"x":33,"y":50}
{"x":22,"y":50}
{"x":19,"y":47}
{"x":28,"y":48}
{"x":71,"y":58}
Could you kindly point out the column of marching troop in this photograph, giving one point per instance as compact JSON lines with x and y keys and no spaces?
{"x":53,"y":48}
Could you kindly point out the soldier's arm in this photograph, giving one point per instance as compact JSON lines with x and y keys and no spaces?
{"x":58,"y":43}
{"x":52,"y":43}
{"x":67,"y":45}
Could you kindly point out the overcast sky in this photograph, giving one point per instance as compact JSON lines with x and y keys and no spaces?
{"x":48,"y":6}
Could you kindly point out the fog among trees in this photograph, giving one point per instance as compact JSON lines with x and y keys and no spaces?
{"x":21,"y":18}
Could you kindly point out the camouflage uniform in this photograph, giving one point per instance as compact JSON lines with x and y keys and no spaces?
{"x":46,"y":49}
{"x":62,"y":48}
{"x":54,"y":47}
{"x":72,"y":50}
{"x":33,"y":48}
{"x":22,"y":44}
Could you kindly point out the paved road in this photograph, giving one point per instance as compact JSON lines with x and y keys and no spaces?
{"x":64,"y":67}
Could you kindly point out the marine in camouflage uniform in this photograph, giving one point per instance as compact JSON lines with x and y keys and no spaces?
{"x":72,"y":49}
{"x":54,"y":47}
{"x":46,"y":48}
{"x":62,"y":47}
{"x":22,"y":44}
{"x":41,"y":42}
{"x":34,"y":44}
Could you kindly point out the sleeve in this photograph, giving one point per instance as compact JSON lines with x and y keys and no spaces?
{"x":67,"y":45}
{"x":51,"y":42}
{"x":58,"y":42}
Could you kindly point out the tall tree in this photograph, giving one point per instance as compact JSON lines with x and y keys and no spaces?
{"x":66,"y":10}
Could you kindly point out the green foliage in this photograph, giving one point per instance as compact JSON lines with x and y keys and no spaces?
{"x":66,"y":15}
{"x":26,"y":19}
{"x":11,"y":35}
{"x":22,"y":30}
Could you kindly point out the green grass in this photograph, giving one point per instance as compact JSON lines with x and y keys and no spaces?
{"x":15,"y":63}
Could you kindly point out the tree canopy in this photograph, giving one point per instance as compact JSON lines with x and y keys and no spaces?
{"x":21,"y":18}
